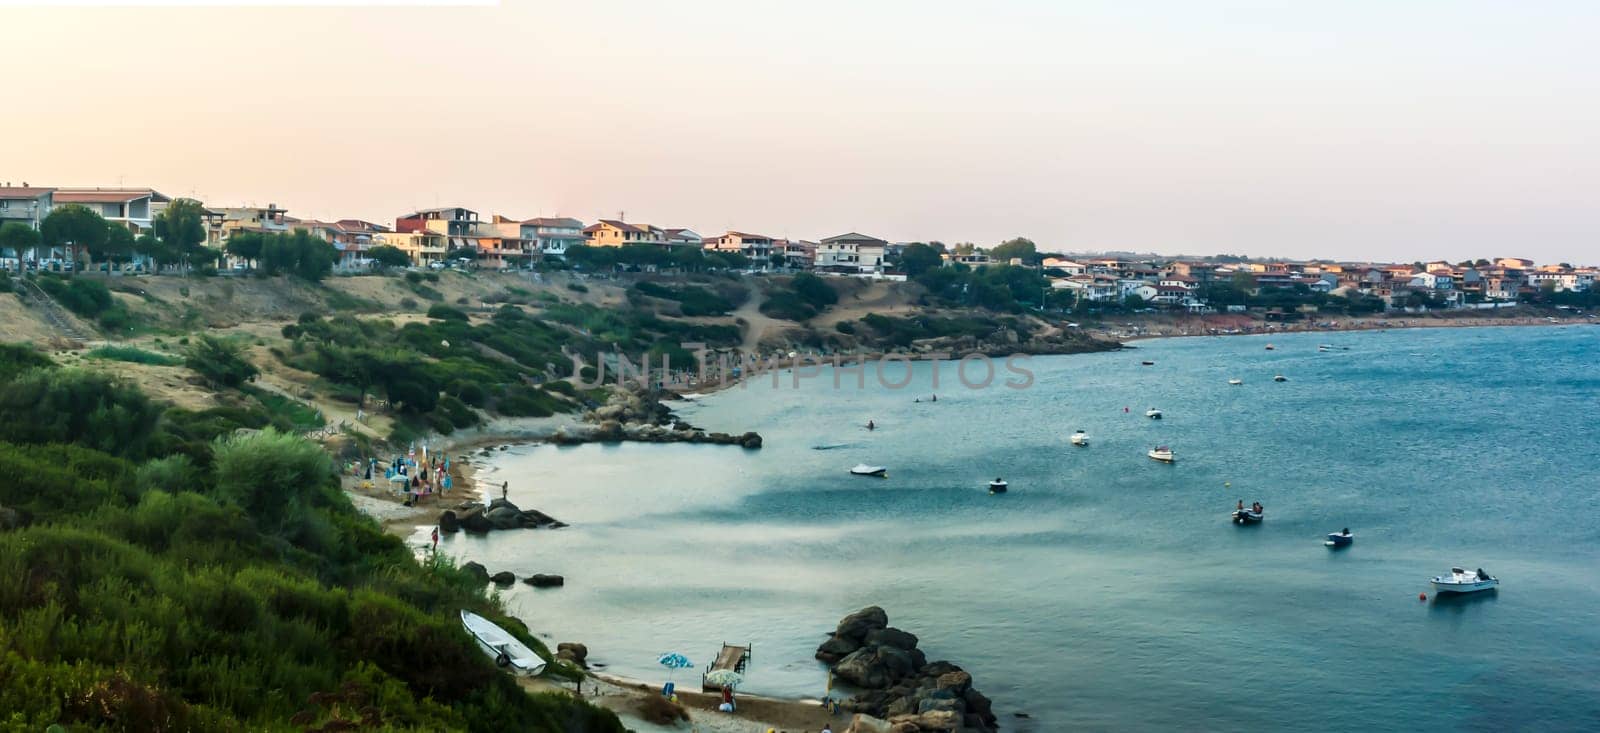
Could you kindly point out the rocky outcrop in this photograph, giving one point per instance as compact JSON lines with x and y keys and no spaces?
{"x":542,"y":580}
{"x":499,"y":514}
{"x":504,"y":577}
{"x":573,"y":652}
{"x":636,"y":415}
{"x":477,"y":571}
{"x":900,"y":687}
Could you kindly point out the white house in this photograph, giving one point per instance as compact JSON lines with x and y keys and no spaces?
{"x":551,"y":236}
{"x":851,"y":253}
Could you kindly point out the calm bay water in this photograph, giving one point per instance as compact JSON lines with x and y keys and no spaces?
{"x":1107,"y":591}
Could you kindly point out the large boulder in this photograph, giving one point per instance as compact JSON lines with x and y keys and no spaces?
{"x":979,"y":705}
{"x":504,"y":577}
{"x":835,"y":649}
{"x":862,"y":668}
{"x":938,"y":720}
{"x":504,"y":517}
{"x":857,"y":625}
{"x":573,"y":652}
{"x":476,"y":524}
{"x":449,"y":522}
{"x":503,"y":504}
{"x":958,"y":681}
{"x":867,"y":724}
{"x":542,"y":580}
{"x":894,"y":637}
{"x":750,"y":440}
{"x":477,"y":571}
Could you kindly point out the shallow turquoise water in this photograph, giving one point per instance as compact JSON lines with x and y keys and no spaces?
{"x":1107,"y":591}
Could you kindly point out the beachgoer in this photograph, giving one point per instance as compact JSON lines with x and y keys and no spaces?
{"x":435,"y":539}
{"x":727,"y":697}
{"x":1240,"y":507}
{"x":1346,"y":532}
{"x":504,"y":487}
{"x":871,"y":425}
{"x":935,"y":398}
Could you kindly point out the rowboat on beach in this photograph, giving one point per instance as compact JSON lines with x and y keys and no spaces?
{"x":506,"y":650}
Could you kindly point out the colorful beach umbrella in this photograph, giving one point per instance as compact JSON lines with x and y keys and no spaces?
{"x":674,"y":660}
{"x":724,"y":678}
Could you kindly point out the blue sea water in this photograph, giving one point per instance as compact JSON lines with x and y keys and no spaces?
{"x":1107,"y":591}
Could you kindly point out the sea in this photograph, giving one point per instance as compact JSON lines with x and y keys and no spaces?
{"x":1106,"y":591}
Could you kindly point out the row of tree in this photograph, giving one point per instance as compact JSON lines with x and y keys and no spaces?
{"x":178,"y":239}
{"x":296,"y":253}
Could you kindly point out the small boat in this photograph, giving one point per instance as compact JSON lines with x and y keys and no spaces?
{"x":507,"y":652}
{"x":1462,"y":581}
{"x":998,"y":486}
{"x":1270,"y":347}
{"x":1280,"y":378}
{"x":1153,"y":414}
{"x":1236,"y":382}
{"x":1148,"y":363}
{"x":1162,"y":453}
{"x":1340,"y":539}
{"x":1246,"y":516}
{"x":863,"y":469}
{"x":1080,"y":438}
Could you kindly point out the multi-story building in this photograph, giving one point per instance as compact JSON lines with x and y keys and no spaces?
{"x":135,"y":208}
{"x":551,"y":236}
{"x":423,"y":247}
{"x":683,"y":238}
{"x":618,"y":233}
{"x":451,"y":221}
{"x":851,"y":253}
{"x":26,"y":204}
{"x":797,"y":253}
{"x":756,"y":247}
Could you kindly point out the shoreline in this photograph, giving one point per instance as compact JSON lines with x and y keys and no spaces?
{"x":1226,"y":325}
{"x":625,"y":696}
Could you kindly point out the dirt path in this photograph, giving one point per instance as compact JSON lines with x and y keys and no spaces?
{"x":757,"y":324}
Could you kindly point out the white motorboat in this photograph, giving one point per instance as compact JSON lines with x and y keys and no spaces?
{"x":863,"y":469}
{"x":1236,"y":382}
{"x":1153,"y":414}
{"x":1080,"y":438}
{"x":1270,"y":347}
{"x":998,"y":486}
{"x":1162,"y":453}
{"x":507,"y":652}
{"x":1280,"y":378}
{"x":1464,"y":581}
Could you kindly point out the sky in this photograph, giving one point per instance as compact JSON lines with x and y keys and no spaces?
{"x":1361,"y":129}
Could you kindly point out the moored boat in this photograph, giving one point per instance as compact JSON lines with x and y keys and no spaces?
{"x":506,"y":650}
{"x":1280,"y":378}
{"x":1236,"y":382}
{"x":998,"y":486}
{"x":1340,"y":539}
{"x":1162,"y":453}
{"x":1080,"y":438}
{"x":1246,"y":516}
{"x":863,"y":469}
{"x":1153,"y":414}
{"x":1463,"y":581}
{"x":1148,"y":363}
{"x":1270,"y":347}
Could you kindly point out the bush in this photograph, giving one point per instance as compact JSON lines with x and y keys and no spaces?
{"x":578,"y":287}
{"x":132,"y":355}
{"x":220,"y":362}
{"x":77,"y":407}
{"x":87,"y":298}
{"x":845,"y":327}
{"x":443,"y":312}
{"x":275,"y":477}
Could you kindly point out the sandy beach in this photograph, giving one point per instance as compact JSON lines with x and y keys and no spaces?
{"x":754,"y":715}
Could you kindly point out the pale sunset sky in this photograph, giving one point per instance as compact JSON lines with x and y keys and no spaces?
{"x":1383,"y":129}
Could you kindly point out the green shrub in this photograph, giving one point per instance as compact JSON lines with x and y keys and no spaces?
{"x":77,"y":407}
{"x":220,"y":362}
{"x":133,"y":355}
{"x":443,"y":312}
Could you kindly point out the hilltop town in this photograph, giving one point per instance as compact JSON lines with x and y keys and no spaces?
{"x":229,"y":239}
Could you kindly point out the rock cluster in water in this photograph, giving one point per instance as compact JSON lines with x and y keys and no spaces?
{"x":902,"y":691}
{"x":506,"y":577}
{"x":476,"y":518}
{"x":638,"y":415}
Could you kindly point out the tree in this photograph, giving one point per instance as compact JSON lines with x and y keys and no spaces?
{"x":385,"y":256}
{"x":1018,"y":248}
{"x":918,"y":258}
{"x":1133,"y":301}
{"x":220,"y":362}
{"x":965,"y":248}
{"x":17,"y":237}
{"x":118,"y":246}
{"x":182,"y":229}
{"x":73,"y":226}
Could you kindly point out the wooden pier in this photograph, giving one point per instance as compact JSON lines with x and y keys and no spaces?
{"x":732,"y":657}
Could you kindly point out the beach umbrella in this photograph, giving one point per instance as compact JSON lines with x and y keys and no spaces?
{"x":724,"y":678}
{"x":674,"y":661}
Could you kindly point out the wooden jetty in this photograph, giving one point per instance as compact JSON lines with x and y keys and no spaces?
{"x":732,"y":657}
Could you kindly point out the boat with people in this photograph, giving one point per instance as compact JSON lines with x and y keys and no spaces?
{"x":1162,"y":453}
{"x":1241,"y":515}
{"x":506,"y":650}
{"x":1153,"y":414}
{"x":1340,"y":539}
{"x":1463,"y":581}
{"x":998,"y":486}
{"x":1080,"y":439}
{"x":862,"y":469}
{"x":1236,"y":382}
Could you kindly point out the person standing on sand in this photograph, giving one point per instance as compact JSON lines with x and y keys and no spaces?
{"x":504,"y":487}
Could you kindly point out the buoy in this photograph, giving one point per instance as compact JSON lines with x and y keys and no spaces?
{"x":1422,"y":596}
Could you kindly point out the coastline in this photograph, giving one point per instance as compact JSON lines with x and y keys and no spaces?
{"x":624,"y":696}
{"x":1225,"y":325}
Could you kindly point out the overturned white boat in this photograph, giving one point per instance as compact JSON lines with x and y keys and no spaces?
{"x":507,"y":652}
{"x":863,"y":469}
{"x":1080,"y":438}
{"x":1162,"y":453}
{"x":1464,"y":581}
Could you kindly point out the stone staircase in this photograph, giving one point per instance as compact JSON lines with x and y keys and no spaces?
{"x":54,"y":315}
